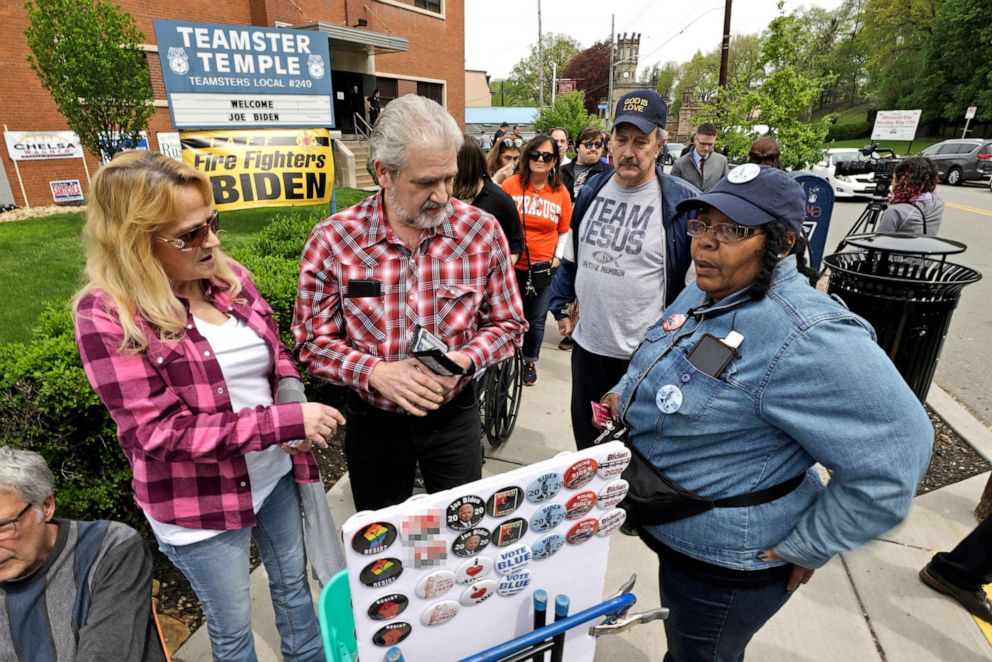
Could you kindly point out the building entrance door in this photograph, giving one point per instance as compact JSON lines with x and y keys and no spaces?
{"x":349,"y":98}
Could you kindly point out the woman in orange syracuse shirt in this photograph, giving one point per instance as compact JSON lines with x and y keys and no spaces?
{"x":545,"y":212}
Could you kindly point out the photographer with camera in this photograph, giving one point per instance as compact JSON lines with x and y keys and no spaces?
{"x":914,"y":208}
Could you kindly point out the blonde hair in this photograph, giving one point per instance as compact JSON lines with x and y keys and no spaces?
{"x":131,"y":199}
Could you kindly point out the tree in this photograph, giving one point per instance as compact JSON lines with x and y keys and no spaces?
{"x":569,"y":112}
{"x":521,"y":88}
{"x":591,"y":70}
{"x":894,"y":37}
{"x":662,"y":77}
{"x":959,"y":61}
{"x":701,"y":75}
{"x":86,"y":54}
{"x":782,"y":102}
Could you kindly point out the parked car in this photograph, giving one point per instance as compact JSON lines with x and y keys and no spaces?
{"x":958,"y":161}
{"x":672,"y":152}
{"x":844,"y":186}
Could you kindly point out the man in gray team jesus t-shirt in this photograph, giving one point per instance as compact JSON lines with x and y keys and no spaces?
{"x":629,"y":256}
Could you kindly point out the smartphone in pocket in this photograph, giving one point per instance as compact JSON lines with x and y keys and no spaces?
{"x":711,"y":355}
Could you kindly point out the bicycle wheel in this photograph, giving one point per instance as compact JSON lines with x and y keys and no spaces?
{"x":501,"y":400}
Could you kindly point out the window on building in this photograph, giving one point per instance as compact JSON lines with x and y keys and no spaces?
{"x":387,"y":89}
{"x":429,"y":5}
{"x":433,"y":91}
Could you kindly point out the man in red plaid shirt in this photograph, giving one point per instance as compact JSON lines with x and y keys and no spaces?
{"x":408,"y":256}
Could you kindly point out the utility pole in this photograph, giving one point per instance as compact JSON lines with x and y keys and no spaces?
{"x":540,"y":57}
{"x":609,"y":94}
{"x":554,"y":81}
{"x":725,"y":47}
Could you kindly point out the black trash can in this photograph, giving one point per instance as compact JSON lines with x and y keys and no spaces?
{"x":904,"y":286}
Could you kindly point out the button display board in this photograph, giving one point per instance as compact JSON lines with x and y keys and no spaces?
{"x":486,"y":591}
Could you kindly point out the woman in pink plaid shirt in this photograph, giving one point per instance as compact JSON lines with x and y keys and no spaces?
{"x":184,"y":353}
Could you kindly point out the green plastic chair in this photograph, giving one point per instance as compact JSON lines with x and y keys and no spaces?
{"x":337,"y":624}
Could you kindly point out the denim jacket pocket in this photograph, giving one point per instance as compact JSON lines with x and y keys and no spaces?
{"x":696,"y":389}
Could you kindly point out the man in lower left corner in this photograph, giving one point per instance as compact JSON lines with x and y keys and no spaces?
{"x":69,"y":590}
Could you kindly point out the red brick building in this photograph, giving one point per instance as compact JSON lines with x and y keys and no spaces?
{"x":397,"y":46}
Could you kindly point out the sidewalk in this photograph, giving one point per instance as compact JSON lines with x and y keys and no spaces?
{"x":865,"y":606}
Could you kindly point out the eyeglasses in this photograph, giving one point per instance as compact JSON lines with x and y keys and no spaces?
{"x":726,"y":232}
{"x":9,"y":528}
{"x":196,"y":237}
{"x":592,"y":145}
{"x":535,"y":155}
{"x":512,"y":142}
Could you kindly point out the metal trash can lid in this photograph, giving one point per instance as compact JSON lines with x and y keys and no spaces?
{"x":907,"y":244}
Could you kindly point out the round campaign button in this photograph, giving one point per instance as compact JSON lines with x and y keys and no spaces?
{"x":465,"y":512}
{"x":547,"y":517}
{"x":435,"y":584}
{"x":513,"y":584}
{"x":512,"y":559}
{"x":611,"y":521}
{"x":744,"y":173}
{"x":439,"y":612}
{"x":423,"y":524}
{"x":580,"y":505}
{"x":473,"y":569}
{"x":613,"y":463}
{"x":381,"y":572}
{"x":388,"y":607}
{"x":478,"y":592}
{"x":582,"y":531}
{"x":392,"y":634}
{"x":547,"y":546}
{"x":544,"y":487}
{"x":612,"y":494}
{"x":669,"y":398}
{"x":470,"y":543}
{"x":373,"y":538}
{"x":504,"y":501}
{"x":673,"y":322}
{"x":509,"y":531}
{"x":580,"y":473}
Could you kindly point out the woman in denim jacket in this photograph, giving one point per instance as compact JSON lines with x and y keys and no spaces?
{"x":807,"y":384}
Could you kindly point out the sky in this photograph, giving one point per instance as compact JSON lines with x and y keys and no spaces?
{"x":499,"y":33}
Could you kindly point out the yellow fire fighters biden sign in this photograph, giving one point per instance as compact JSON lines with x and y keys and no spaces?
{"x":264,"y":167}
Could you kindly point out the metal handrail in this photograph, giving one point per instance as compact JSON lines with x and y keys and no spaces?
{"x":362,"y":127}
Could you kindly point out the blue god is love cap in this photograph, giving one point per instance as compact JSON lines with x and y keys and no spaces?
{"x":645,"y":109}
{"x":754,"y":195}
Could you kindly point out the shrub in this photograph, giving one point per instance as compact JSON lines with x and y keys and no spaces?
{"x":849,"y":131}
{"x":47,"y":405}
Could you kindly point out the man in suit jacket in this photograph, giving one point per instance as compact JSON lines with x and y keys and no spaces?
{"x":702,"y":167}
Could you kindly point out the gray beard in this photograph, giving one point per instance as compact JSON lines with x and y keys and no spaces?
{"x":422,"y":221}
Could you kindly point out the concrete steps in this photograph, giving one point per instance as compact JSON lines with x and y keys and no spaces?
{"x":360,"y":148}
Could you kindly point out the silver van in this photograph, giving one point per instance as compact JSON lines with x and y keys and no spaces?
{"x":958,"y":161}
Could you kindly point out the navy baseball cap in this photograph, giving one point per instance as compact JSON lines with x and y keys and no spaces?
{"x":754,"y":195}
{"x":645,"y":109}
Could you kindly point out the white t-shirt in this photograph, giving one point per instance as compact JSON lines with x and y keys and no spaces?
{"x":620,"y":268}
{"x":246,"y":363}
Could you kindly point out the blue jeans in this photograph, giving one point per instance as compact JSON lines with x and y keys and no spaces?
{"x":712,"y":623}
{"x":218,"y":570}
{"x":536,"y":313}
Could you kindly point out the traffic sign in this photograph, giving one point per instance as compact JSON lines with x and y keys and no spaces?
{"x":970,"y":114}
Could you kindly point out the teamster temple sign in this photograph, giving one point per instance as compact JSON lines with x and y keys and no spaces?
{"x":238,"y":76}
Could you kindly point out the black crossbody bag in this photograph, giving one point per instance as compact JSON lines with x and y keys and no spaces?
{"x":538,"y":273}
{"x":654,"y":498}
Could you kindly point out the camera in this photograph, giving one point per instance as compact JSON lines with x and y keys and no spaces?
{"x":880,"y":163}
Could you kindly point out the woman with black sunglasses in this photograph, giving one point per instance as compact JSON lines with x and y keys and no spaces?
{"x":588,"y":150}
{"x":210,"y":412}
{"x":545,"y":208}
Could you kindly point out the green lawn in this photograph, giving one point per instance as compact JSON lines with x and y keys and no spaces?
{"x":43,"y":259}
{"x":901,"y":147}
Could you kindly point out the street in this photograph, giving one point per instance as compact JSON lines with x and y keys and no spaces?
{"x":963,"y":369}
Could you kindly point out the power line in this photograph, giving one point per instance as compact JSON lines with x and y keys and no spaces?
{"x":679,"y":33}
